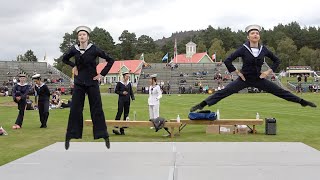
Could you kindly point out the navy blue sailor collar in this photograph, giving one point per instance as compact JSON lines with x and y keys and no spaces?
{"x":39,"y":86}
{"x":81,"y":50}
{"x":247,"y":45}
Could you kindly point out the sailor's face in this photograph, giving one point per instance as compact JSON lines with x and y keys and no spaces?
{"x":254,"y":36}
{"x":22,"y":79}
{"x":126,"y":77}
{"x":83,"y":37}
{"x":36,"y":81}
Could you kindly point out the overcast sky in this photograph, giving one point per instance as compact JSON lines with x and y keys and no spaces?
{"x":39,"y":25}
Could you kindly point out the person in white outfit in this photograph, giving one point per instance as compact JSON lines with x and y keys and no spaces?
{"x":155,"y":94}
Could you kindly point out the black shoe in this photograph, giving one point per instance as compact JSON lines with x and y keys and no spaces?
{"x":107,"y":142}
{"x":196,"y":107}
{"x":116,"y":132}
{"x":67,"y":143}
{"x":307,"y":103}
{"x":43,"y":126}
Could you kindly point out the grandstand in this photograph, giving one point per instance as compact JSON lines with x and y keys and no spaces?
{"x":11,"y":69}
{"x":184,"y":76}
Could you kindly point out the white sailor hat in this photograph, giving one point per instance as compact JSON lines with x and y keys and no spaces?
{"x":124,"y":73}
{"x":153,"y":75}
{"x":253,"y":27}
{"x":22,"y":75}
{"x":83,"y":28}
{"x":36,"y":76}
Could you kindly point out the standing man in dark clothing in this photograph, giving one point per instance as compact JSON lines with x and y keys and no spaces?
{"x":124,"y":89}
{"x":86,"y":82}
{"x":43,"y":93}
{"x":252,"y":54}
{"x":19,"y":95}
{"x":305,"y":78}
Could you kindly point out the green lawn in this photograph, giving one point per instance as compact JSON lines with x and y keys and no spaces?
{"x":295,"y":123}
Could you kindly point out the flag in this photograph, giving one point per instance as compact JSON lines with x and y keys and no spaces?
{"x":120,"y":70}
{"x":165,"y":57}
{"x":142,"y":57}
{"x":175,"y":52}
{"x":214,"y":56}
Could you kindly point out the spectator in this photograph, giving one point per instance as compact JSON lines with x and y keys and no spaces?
{"x":155,"y":95}
{"x":55,"y":100}
{"x":299,"y":78}
{"x":30,"y":105}
{"x":14,"y":81}
{"x":305,"y":78}
{"x":190,"y":89}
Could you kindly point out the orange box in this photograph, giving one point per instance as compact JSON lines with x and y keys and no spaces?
{"x":213,"y":129}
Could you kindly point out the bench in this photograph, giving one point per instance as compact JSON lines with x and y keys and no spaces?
{"x":247,"y":122}
{"x":169,"y":126}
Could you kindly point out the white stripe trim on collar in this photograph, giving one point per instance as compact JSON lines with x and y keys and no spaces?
{"x":124,"y":83}
{"x":40,"y":85}
{"x":251,"y":50}
{"x":22,"y":84}
{"x":78,"y":48}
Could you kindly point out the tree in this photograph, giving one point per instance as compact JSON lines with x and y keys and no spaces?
{"x":228,"y":53}
{"x":168,"y":47}
{"x":102,"y":38}
{"x":201,"y":47}
{"x":145,"y":44}
{"x":20,"y":58}
{"x":316,"y":61}
{"x":66,"y":69}
{"x":128,"y":44}
{"x":217,"y":47}
{"x":311,"y":37}
{"x":306,"y":57}
{"x":68,"y":41}
{"x":29,"y":56}
{"x":293,"y":31}
{"x":155,"y":57}
{"x":287,"y":52}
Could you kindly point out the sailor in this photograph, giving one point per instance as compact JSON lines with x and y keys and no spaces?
{"x":86,"y":82}
{"x":250,"y":75}
{"x":124,"y":90}
{"x":155,"y":94}
{"x":19,"y":94}
{"x":43,"y":93}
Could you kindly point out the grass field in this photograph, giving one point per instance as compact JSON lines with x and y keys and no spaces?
{"x":295,"y":123}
